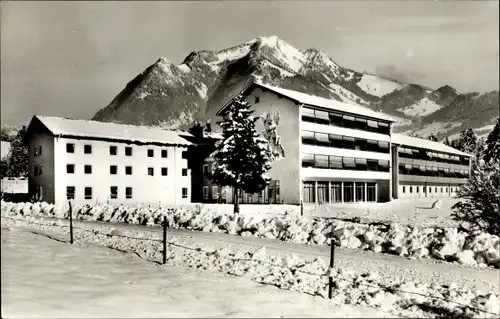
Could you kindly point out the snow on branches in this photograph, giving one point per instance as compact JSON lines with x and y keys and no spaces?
{"x":271,"y":122}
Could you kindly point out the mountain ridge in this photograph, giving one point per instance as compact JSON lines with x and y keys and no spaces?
{"x":173,"y":96}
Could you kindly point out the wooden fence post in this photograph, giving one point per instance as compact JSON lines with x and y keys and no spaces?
{"x":301,"y":207}
{"x":330,"y":278}
{"x":70,"y":223}
{"x":164,"y":240}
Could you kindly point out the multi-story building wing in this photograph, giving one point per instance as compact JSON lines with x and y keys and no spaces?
{"x":89,"y":162}
{"x":425,"y":168}
{"x":338,"y":152}
{"x":334,"y":152}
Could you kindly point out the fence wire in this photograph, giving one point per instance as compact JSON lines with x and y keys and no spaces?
{"x":336,"y":276}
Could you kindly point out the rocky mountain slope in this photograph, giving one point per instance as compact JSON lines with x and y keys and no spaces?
{"x":173,"y":96}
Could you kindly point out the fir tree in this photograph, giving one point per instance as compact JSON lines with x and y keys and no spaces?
{"x":432,"y":137}
{"x":241,"y":158}
{"x":447,"y":142}
{"x":17,"y":162}
{"x":466,"y":142}
{"x":492,"y":148}
{"x":482,"y":197}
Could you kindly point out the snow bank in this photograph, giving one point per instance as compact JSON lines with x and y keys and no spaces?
{"x":477,"y":249}
{"x":288,"y":272}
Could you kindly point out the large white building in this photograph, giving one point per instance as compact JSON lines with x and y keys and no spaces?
{"x":339,"y":152}
{"x":90,"y":161}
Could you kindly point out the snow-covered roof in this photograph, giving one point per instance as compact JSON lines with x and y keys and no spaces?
{"x":213,"y":135}
{"x":120,"y":132}
{"x":312,"y":100}
{"x":425,"y":144}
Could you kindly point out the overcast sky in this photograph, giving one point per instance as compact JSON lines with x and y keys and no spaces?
{"x":71,"y":59}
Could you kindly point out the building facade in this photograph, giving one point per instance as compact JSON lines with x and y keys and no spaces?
{"x":337,"y":152}
{"x":93,"y":162}
{"x":427,"y":169}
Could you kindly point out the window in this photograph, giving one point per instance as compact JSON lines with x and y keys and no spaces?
{"x":348,"y":142}
{"x":257,"y":99}
{"x":70,"y":168}
{"x":308,"y":138}
{"x":38,"y":170}
{"x":164,"y":153}
{"x":336,"y":190}
{"x":205,"y":192}
{"x":205,"y":169}
{"x":321,"y":161}
{"x":113,"y":150}
{"x":418,"y":189}
{"x":184,"y":172}
{"x":113,"y":169}
{"x":435,"y":189}
{"x":128,"y":192}
{"x":361,"y":164}
{"x":323,"y":195}
{"x":360,"y":144}
{"x":307,"y":112}
{"x":128,"y":151}
{"x":128,"y":170}
{"x":335,"y":162}
{"x":411,"y":189}
{"x":70,"y":148}
{"x":360,"y":192}
{"x":184,"y":192}
{"x":430,"y":189}
{"x":383,"y":165}
{"x":113,"y":190}
{"x":322,"y":139}
{"x":336,"y":141}
{"x":70,"y":192}
{"x":87,"y":149}
{"x":348,"y":192}
{"x":372,"y":145}
{"x":164,"y":171}
{"x":349,"y":163}
{"x":215,"y":192}
{"x":447,"y":189}
{"x":151,"y":153}
{"x":309,"y":194}
{"x":151,"y":171}
{"x":404,"y":189}
{"x":38,"y":150}
{"x":88,"y":169}
{"x":441,"y":189}
{"x":322,"y":117}
{"x":88,"y":193}
{"x":383,"y":146}
{"x":370,"y":192}
{"x":184,"y":154}
{"x":308,"y":160}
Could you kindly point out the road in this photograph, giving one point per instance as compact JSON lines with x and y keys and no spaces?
{"x":389,"y":267}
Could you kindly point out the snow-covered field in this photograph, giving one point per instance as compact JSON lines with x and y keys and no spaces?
{"x":44,"y":278}
{"x":377,"y":86}
{"x":476,"y":249}
{"x":14,"y":186}
{"x":421,"y":108}
{"x":289,"y":272}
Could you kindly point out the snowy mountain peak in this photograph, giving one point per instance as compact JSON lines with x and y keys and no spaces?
{"x":176,"y":95}
{"x":162,"y":60}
